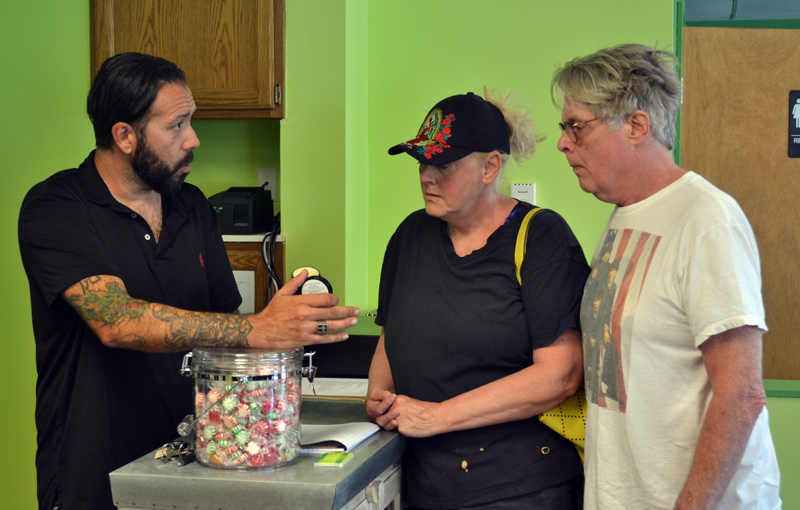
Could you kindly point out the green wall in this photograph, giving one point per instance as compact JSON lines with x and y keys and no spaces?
{"x":361,"y":74}
{"x":783,"y":403}
{"x":313,"y":148}
{"x":342,"y":195}
{"x":230,"y":152}
{"x":423,"y":51}
{"x":44,"y":54}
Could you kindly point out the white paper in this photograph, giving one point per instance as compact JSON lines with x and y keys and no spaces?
{"x":340,"y":437}
{"x":336,"y":387}
{"x":246,"y":281}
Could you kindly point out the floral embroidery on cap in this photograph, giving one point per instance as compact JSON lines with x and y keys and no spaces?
{"x":433,"y":134}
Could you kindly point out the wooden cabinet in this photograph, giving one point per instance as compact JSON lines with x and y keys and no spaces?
{"x":247,"y":257}
{"x":232,"y":51}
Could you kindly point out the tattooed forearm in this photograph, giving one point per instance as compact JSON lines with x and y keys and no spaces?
{"x":135,"y":342}
{"x":122,"y":321}
{"x":187,"y":329}
{"x":108,"y":306}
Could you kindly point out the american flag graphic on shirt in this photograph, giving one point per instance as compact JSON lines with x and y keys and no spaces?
{"x":609,"y":306}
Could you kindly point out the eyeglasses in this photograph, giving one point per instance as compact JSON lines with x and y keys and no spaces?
{"x":572,"y":130}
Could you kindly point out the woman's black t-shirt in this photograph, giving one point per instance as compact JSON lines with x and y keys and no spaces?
{"x":453,"y":324}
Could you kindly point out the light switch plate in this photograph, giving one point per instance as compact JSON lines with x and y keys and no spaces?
{"x":524,"y":192}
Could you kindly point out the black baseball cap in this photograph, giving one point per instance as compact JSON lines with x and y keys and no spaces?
{"x":456,"y":127}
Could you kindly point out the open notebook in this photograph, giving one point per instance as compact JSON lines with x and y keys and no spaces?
{"x":334,"y":438}
{"x":335,"y":387}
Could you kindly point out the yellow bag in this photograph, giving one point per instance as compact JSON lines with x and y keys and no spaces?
{"x":569,"y":417}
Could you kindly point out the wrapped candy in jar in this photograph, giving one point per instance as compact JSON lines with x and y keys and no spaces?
{"x":252,"y":399}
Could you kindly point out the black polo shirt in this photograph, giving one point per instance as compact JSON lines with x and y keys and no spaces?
{"x":98,"y":408}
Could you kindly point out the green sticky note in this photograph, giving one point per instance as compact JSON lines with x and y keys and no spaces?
{"x":334,"y":459}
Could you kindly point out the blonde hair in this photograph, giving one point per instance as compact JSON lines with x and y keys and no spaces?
{"x":617,"y":81}
{"x":521,"y":131}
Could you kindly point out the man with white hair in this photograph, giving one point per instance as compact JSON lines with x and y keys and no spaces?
{"x":676,"y":415}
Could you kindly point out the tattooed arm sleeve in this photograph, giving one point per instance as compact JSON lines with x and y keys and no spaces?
{"x":121,"y":321}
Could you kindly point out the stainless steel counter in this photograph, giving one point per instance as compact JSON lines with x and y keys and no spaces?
{"x":150,"y":483}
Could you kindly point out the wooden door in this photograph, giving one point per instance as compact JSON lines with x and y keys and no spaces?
{"x":735,"y":132}
{"x":231,"y":52}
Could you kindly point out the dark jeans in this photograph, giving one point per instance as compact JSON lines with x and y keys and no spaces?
{"x":564,"y":496}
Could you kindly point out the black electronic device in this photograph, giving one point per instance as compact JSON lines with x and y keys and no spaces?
{"x":349,"y":359}
{"x":244,"y":210}
{"x":352,"y":358}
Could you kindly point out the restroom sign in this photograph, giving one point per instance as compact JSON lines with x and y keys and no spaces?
{"x":794,"y":124}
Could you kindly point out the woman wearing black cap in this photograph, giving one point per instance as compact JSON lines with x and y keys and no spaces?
{"x":468,"y":357}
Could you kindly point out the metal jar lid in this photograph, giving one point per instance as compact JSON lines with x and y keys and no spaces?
{"x":234,"y":364}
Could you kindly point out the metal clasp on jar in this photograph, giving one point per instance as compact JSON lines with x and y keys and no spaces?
{"x":186,"y":365}
{"x":310,"y":371}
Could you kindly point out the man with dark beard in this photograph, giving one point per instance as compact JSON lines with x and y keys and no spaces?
{"x":127,"y":271}
{"x":157,"y":174}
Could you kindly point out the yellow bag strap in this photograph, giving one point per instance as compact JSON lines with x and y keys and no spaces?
{"x":572,"y":411}
{"x":522,"y":241}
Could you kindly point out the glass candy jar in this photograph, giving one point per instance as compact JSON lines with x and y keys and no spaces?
{"x":247,"y":406}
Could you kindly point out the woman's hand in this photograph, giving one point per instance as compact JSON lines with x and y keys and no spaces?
{"x":412,"y":418}
{"x":378,"y":402}
{"x":556,"y":373}
{"x":416,"y":418}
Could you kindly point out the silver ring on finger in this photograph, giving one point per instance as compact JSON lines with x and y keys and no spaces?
{"x":322,"y":327}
